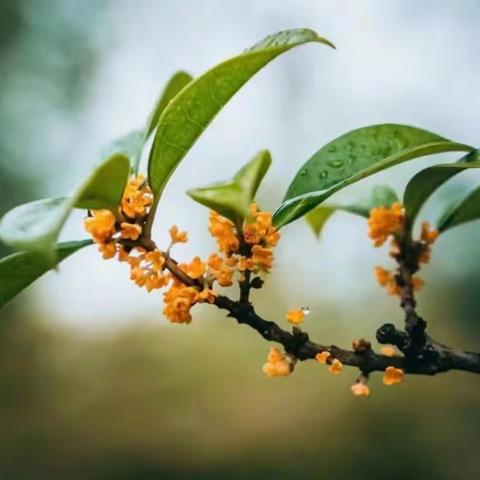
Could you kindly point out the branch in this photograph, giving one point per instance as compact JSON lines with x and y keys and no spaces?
{"x":433,"y":357}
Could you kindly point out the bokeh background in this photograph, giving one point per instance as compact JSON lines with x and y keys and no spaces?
{"x":94,"y":383}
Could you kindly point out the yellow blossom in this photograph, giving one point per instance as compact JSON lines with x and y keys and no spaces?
{"x":225,"y":233}
{"x":137,"y":197}
{"x":359,"y":389}
{"x":393,"y":375}
{"x":278,"y":365}
{"x":130,"y":231}
{"x":178,"y":236}
{"x":322,"y":356}
{"x":108,"y":250}
{"x":295,"y":316}
{"x":385,"y":221}
{"x":177,"y":303}
{"x":101,"y":225}
{"x":336,"y":366}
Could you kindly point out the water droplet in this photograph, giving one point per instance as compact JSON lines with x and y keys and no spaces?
{"x":304,"y":173}
{"x":323,"y":174}
{"x":306,"y":310}
{"x":332,"y":149}
{"x":335,"y":163}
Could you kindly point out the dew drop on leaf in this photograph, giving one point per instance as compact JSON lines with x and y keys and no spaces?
{"x":335,"y":163}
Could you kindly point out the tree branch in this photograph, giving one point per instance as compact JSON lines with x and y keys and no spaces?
{"x":433,"y":358}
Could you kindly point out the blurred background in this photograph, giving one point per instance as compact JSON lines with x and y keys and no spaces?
{"x":94,"y":383}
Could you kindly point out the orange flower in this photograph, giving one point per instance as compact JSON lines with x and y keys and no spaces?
{"x":101,"y":225}
{"x":335,"y":367}
{"x":130,"y":231}
{"x":178,"y":301}
{"x":136,"y":197}
{"x":295,"y":316}
{"x":108,"y":250}
{"x":156,"y":259}
{"x":262,"y":257}
{"x":359,"y":389}
{"x":178,"y":236}
{"x":207,"y":295}
{"x":388,"y":351}
{"x":278,"y":365}
{"x":224,"y":232}
{"x":417,"y":283}
{"x":384,"y":222}
{"x":245,"y":263}
{"x":393,"y":375}
{"x":219,"y":271}
{"x":428,"y":235}
{"x":384,"y":276}
{"x":322,"y":357}
{"x":387,"y":280}
{"x":196,"y":268}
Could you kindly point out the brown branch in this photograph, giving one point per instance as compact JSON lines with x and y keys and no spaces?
{"x":431,"y":359}
{"x":297,"y":343}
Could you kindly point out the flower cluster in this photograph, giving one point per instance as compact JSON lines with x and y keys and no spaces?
{"x":336,"y":365}
{"x":360,"y":389}
{"x":278,"y":364}
{"x":245,"y":249}
{"x":385,"y":223}
{"x":113,"y":230}
{"x":119,"y":235}
{"x":393,"y":376}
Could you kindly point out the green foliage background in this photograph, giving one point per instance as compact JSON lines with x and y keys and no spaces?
{"x":145,"y":400}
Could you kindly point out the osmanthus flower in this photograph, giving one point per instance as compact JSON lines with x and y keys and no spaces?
{"x":278,"y":364}
{"x":178,"y":236}
{"x":137,"y":197}
{"x":393,"y":376}
{"x":335,"y":367}
{"x":385,"y":221}
{"x":322,"y":357}
{"x":295,"y":316}
{"x":360,"y":389}
{"x":101,"y":225}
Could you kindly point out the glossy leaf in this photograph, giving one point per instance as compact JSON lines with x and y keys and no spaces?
{"x":381,"y":196}
{"x":191,"y":111}
{"x":466,"y":210}
{"x":426,"y":182}
{"x":129,"y":145}
{"x":232,"y":199}
{"x":36,"y":225}
{"x":352,"y":157}
{"x":174,"y":85}
{"x":21,"y":269}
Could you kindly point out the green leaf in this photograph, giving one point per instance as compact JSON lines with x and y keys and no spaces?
{"x":190,"y":112}
{"x":426,"y":182}
{"x":232,"y":199}
{"x":463,"y":211}
{"x":36,"y":225}
{"x":352,"y":157}
{"x":318,"y":217}
{"x":381,"y":196}
{"x":129,"y":145}
{"x":174,"y":85}
{"x":21,"y":269}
